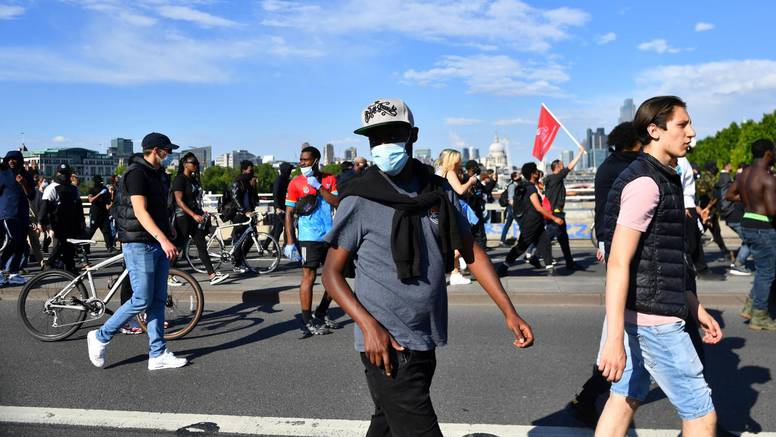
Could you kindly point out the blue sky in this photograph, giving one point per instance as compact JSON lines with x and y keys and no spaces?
{"x":268,"y":75}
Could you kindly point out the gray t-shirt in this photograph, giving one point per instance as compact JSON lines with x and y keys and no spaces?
{"x":414,"y":312}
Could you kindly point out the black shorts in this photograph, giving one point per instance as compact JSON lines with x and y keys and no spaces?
{"x":313,"y":253}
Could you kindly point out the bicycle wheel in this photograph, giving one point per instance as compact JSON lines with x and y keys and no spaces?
{"x":214,"y":248}
{"x":41,"y":320}
{"x":264,"y":256}
{"x":184,"y":306}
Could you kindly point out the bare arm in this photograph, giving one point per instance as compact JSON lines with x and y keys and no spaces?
{"x":624,"y":244}
{"x":732,"y":193}
{"x":576,"y":159}
{"x":145,"y":219}
{"x":456,"y":184}
{"x":182,"y":205}
{"x":538,"y":207}
{"x":290,"y":234}
{"x":712,"y":333}
{"x":332,"y":199}
{"x":769,"y":195}
{"x":480,"y":265}
{"x":376,"y":337}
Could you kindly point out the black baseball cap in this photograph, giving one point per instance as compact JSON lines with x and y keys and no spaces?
{"x":155,"y":139}
{"x":64,"y":169}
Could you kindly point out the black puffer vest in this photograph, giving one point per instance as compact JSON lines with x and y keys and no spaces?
{"x":658,"y":271}
{"x":129,"y":228}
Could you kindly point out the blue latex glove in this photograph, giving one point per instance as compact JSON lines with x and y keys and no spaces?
{"x":292,"y":253}
{"x":313,"y":182}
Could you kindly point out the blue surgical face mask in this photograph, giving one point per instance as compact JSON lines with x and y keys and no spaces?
{"x":390,"y":158}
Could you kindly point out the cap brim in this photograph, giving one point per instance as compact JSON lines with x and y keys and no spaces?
{"x":365,"y":129}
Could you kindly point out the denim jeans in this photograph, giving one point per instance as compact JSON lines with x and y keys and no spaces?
{"x":148,"y":269}
{"x":762,"y":243}
{"x":743,"y":251}
{"x":665,"y":353}
{"x":507,"y":223}
{"x":403,"y":400}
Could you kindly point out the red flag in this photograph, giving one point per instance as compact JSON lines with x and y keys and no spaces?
{"x":545,"y":133}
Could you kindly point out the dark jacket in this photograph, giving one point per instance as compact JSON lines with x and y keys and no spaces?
{"x":129,"y":228}
{"x":658,"y":271}
{"x":65,"y":214}
{"x":14,"y":204}
{"x":605,"y":176}
{"x":244,"y":195}
{"x":280,"y":186}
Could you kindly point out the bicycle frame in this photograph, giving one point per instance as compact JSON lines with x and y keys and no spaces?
{"x":92,"y":293}
{"x":235,"y":243}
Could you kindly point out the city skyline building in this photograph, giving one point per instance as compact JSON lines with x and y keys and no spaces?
{"x":627,"y":111}
{"x":566,"y":156}
{"x":204,"y":155}
{"x":464,"y":154}
{"x":122,"y":147}
{"x":424,"y":156}
{"x":84,"y":162}
{"x":598,"y":148}
{"x":474,"y":153}
{"x":350,"y":153}
{"x":328,"y":154}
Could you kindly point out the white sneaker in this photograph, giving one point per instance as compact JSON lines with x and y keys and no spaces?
{"x":96,"y":349}
{"x":219,"y":278}
{"x":16,"y":279}
{"x":166,"y":361}
{"x":458,"y":279}
{"x":172,"y":281}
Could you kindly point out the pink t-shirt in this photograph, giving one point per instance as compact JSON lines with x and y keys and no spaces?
{"x":638,"y":202}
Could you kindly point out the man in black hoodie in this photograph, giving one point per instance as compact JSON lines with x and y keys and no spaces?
{"x":245,"y":197}
{"x":279,"y":190}
{"x":63,"y":212}
{"x":401,"y":224}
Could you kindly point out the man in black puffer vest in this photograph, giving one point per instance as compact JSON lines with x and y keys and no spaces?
{"x":647,"y":294}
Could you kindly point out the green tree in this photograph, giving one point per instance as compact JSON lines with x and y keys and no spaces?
{"x":265,"y":176}
{"x":121,"y":169}
{"x":218,"y":179}
{"x":732,"y":144}
{"x":332,"y":169}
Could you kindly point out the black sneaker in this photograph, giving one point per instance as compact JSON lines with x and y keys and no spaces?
{"x":327,"y":322}
{"x":502,"y":270}
{"x":314,"y":328}
{"x":534,"y":261}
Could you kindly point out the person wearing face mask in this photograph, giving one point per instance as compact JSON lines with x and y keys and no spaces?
{"x":245,"y":199}
{"x":312,"y":197}
{"x":401,"y":224}
{"x":16,"y":191}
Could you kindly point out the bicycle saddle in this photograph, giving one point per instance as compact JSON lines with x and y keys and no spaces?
{"x":76,"y":241}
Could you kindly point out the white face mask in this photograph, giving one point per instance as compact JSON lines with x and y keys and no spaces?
{"x":308,"y":171}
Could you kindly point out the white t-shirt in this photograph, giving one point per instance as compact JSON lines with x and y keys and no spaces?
{"x":688,"y":182}
{"x":50,"y":192}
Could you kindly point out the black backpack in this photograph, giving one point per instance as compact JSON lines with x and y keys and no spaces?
{"x":521,"y":201}
{"x":226,"y":208}
{"x":503,"y":200}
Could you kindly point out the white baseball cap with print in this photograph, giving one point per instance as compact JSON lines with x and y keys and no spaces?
{"x":384,"y":111}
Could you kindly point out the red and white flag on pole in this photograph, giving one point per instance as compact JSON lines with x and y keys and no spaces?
{"x":545,"y":133}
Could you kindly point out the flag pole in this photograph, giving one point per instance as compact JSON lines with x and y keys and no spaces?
{"x":564,"y":128}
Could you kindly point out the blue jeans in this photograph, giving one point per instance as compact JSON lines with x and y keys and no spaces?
{"x":148,"y":269}
{"x":743,"y":251}
{"x":507,"y":223}
{"x":666,"y":353}
{"x":762,"y":243}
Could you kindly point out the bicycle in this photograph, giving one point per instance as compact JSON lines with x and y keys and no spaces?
{"x":263,"y":258}
{"x":55,"y":303}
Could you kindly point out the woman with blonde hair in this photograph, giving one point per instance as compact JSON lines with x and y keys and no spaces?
{"x":448,"y":166}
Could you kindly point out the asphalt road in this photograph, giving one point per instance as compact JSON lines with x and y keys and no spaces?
{"x":248,"y":360}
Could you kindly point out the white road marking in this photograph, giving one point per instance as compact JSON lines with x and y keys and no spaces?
{"x":277,"y":426}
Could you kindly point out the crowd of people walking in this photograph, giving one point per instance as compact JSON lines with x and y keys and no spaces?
{"x":399,"y":227}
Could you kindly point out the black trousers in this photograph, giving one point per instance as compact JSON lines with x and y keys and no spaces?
{"x":532,"y":233}
{"x":560,"y":232}
{"x":60,"y":248}
{"x":403,"y":400}
{"x":716,"y":234}
{"x":693,"y":236}
{"x":187,"y":228}
{"x":237,"y":231}
{"x":101,"y":222}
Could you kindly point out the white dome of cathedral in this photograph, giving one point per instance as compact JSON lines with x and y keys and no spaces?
{"x":496,"y":147}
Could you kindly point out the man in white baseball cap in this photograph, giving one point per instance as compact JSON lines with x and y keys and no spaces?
{"x":401,"y":223}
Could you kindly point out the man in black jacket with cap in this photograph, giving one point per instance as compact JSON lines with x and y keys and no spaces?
{"x":401,"y":224}
{"x":63,"y":212}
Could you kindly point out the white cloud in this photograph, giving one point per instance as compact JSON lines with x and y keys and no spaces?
{"x":59,"y":139}
{"x":512,"y":121}
{"x":659,"y":46}
{"x":499,"y":75}
{"x":606,"y":38}
{"x":459,"y":121}
{"x":487,"y":22}
{"x":8,"y":12}
{"x":716,"y":93}
{"x":186,"y":13}
{"x":702,"y":27}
